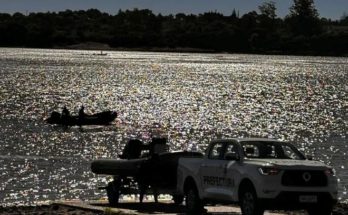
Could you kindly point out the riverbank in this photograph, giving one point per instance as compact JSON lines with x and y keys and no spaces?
{"x":101,"y":207}
{"x":93,"y":46}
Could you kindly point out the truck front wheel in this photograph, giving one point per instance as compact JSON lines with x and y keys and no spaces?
{"x":320,"y":209}
{"x":193,"y":202}
{"x":248,"y":202}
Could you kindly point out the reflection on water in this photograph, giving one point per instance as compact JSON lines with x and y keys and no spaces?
{"x":191,"y":98}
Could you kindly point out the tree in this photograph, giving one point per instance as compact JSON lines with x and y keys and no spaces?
{"x":344,"y":19}
{"x":304,"y":9}
{"x":268,"y":15}
{"x":268,"y":9}
{"x":234,"y":14}
{"x":304,"y":18}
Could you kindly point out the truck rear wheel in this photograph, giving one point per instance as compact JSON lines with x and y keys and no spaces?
{"x":113,"y":193}
{"x":248,"y":202}
{"x":193,"y":203}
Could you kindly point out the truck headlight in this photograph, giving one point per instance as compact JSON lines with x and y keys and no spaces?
{"x":268,"y":170}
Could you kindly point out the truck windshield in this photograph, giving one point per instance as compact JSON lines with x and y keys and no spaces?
{"x":271,"y":150}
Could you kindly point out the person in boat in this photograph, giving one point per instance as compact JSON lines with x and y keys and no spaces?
{"x":65,"y":115}
{"x":81,"y":114}
{"x":65,"y":112}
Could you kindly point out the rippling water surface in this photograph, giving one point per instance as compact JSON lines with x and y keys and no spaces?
{"x":191,"y":98}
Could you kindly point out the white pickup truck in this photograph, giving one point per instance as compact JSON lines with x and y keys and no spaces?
{"x":258,"y":174}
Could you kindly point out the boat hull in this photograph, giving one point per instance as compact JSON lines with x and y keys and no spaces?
{"x":102,"y":118}
{"x":117,"y":167}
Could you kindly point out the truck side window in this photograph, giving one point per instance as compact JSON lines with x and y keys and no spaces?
{"x":216,"y":151}
{"x":231,"y":151}
{"x":251,"y":151}
{"x":268,"y":151}
{"x":231,"y":148}
{"x":289,"y":153}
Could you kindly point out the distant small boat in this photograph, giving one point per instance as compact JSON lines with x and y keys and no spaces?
{"x":101,"y":53}
{"x":102,"y":118}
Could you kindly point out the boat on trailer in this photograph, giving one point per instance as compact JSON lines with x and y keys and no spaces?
{"x":142,"y":169}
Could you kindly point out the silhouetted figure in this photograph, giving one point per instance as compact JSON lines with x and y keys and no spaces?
{"x":82,"y":112}
{"x":65,"y":112}
{"x":65,"y":115}
{"x":81,"y":115}
{"x":132,"y":149}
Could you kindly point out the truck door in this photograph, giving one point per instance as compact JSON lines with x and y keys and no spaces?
{"x":229,"y":171}
{"x":211,"y":171}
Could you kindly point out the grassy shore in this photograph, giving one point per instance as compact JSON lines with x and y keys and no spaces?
{"x":54,"y":208}
{"x":47,"y":209}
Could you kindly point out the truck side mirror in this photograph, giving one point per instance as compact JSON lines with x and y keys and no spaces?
{"x":232,"y":156}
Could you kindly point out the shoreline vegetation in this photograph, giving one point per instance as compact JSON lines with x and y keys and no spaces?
{"x":301,"y":32}
{"x":93,"y":46}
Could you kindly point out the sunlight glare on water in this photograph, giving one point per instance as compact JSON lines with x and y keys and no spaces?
{"x":190,"y":98}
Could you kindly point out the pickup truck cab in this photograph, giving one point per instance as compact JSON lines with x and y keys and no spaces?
{"x":258,"y":174}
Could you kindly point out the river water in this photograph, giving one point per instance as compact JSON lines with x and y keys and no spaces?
{"x":190,"y":98}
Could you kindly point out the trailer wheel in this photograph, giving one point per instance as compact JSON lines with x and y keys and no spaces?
{"x":155,"y":194}
{"x":193,"y":203}
{"x":142,"y":191}
{"x":113,"y":193}
{"x":178,"y":199}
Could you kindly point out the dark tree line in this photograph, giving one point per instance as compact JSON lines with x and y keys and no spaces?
{"x":300,"y":32}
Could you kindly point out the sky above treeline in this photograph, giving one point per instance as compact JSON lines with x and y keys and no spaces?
{"x":333,"y":9}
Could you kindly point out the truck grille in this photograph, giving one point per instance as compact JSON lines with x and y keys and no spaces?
{"x":304,"y":178}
